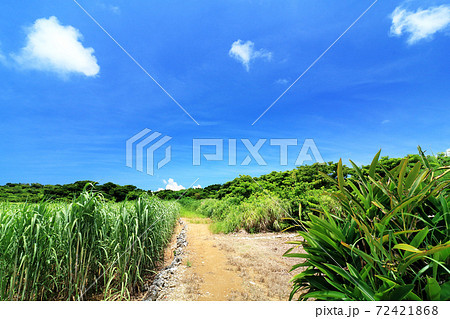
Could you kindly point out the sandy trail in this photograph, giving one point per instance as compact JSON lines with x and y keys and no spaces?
{"x":210,"y":263}
{"x":237,"y":266}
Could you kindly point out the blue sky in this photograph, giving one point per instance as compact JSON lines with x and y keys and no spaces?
{"x":70,"y":97}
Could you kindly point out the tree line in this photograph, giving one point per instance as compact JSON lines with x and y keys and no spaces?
{"x":301,"y":186}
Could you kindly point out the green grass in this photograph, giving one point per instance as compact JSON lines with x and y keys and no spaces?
{"x":256,"y":214}
{"x":87,"y":249}
{"x":188,"y":213}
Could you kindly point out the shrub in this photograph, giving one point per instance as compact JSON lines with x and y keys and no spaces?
{"x":390,"y":241}
{"x":218,"y":209}
{"x":256,"y":214}
{"x":189,"y":203}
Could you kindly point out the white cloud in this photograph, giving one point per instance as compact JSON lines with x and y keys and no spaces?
{"x":115,"y":9}
{"x":385,"y":122}
{"x":245,"y":53}
{"x":172,"y":185}
{"x":282,"y":81}
{"x":109,"y":7}
{"x":422,"y":24}
{"x":2,"y":58}
{"x":53,"y":47}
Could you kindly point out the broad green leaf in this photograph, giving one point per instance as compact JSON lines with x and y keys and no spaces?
{"x":303,"y":274}
{"x":412,"y":175}
{"x":407,"y":247}
{"x":327,"y":295}
{"x":373,"y":165}
{"x":358,"y":171}
{"x":387,"y":280}
{"x":368,"y":258}
{"x":326,"y":271}
{"x":401,"y":175}
{"x":433,"y":290}
{"x":400,"y":292}
{"x":423,"y":157}
{"x":413,"y":297}
{"x":340,"y":176}
{"x":385,"y":238}
{"x":445,"y":291}
{"x":355,"y":281}
{"x":319,"y":283}
{"x":388,"y":217}
{"x":423,"y":254}
{"x":418,"y":182}
{"x":418,"y":239}
{"x":305,"y":264}
{"x":296,"y":255}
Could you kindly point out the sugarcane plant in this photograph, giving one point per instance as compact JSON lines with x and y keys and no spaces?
{"x":87,"y":249}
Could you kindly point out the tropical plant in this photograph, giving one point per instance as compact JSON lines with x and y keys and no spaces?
{"x":390,"y":240}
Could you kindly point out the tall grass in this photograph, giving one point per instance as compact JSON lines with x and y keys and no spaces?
{"x":256,"y":214}
{"x":87,"y":249}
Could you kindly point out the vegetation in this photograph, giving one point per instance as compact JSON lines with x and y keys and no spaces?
{"x":303,"y":186}
{"x":390,"y":240}
{"x":255,"y":214}
{"x":35,"y":193}
{"x":87,"y":249}
{"x":377,"y":232}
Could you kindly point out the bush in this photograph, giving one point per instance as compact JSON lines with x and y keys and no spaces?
{"x":390,"y":241}
{"x":256,"y":214}
{"x":189,"y":203}
{"x":218,"y":209}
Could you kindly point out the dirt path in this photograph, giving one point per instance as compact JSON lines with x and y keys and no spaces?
{"x":232,"y":267}
{"x":210,"y":264}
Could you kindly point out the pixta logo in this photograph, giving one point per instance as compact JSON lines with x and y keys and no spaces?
{"x":253,"y":151}
{"x":143,"y":140}
{"x":144,"y":144}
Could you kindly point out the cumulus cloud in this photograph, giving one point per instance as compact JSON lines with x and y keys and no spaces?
{"x":51,"y":46}
{"x":245,"y":52}
{"x":172,"y":185}
{"x":422,"y":24}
